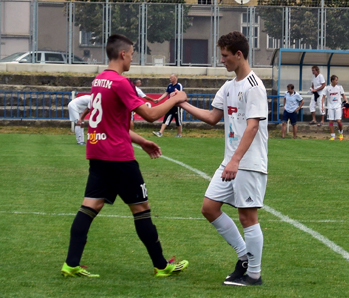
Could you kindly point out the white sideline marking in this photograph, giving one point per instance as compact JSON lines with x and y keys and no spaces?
{"x":334,"y":247}
{"x":161,"y":217}
{"x":284,"y":218}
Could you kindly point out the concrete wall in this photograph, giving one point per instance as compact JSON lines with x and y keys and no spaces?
{"x":135,"y":70}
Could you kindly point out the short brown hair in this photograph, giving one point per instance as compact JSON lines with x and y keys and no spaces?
{"x":291,"y":86}
{"x":333,"y":77}
{"x":117,"y":43}
{"x":233,"y":42}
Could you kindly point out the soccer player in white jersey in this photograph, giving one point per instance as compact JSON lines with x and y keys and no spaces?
{"x":76,"y":107}
{"x":318,"y":83}
{"x":241,"y":179}
{"x":334,"y":93}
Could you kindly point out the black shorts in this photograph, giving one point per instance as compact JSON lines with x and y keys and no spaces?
{"x":107,"y":179}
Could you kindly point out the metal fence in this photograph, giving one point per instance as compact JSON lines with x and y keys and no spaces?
{"x":170,"y":32}
{"x":53,"y":105}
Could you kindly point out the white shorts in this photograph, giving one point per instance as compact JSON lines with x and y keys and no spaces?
{"x":73,"y":115}
{"x":334,"y":114}
{"x":247,"y":190}
{"x":313,"y":104}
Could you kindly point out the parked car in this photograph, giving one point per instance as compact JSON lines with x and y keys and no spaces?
{"x":42,"y":57}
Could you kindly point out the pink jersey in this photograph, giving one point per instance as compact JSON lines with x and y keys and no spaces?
{"x":113,"y":97}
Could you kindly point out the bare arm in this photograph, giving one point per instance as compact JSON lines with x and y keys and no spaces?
{"x":150,"y":147}
{"x":151,"y":99}
{"x":231,"y":168}
{"x":155,"y":113}
{"x":210,"y":117}
{"x":300,"y":106}
{"x":162,"y":97}
{"x":82,"y":117}
{"x":346,"y":100}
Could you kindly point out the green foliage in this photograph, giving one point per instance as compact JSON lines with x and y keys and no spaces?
{"x":126,"y":18}
{"x":304,"y":21}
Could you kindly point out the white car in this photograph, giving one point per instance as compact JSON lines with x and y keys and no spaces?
{"x":42,"y":57}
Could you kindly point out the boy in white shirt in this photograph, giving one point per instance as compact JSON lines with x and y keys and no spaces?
{"x":334,"y":93}
{"x":241,"y":179}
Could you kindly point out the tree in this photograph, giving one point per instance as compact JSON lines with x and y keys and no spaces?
{"x":304,"y":21}
{"x":126,"y":18}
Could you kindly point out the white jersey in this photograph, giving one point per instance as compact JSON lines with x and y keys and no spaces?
{"x":242,"y":100}
{"x":140,"y":93}
{"x":334,"y":96}
{"x":292,"y":101}
{"x":80,"y":103}
{"x":317,"y":82}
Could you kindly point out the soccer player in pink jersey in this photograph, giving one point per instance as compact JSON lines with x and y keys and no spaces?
{"x":113,"y":168}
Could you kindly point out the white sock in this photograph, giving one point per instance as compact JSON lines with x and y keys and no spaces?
{"x":229,"y":231}
{"x":77,"y":133}
{"x":82,"y":134}
{"x":340,"y":131}
{"x":333,"y":135}
{"x":254,"y":247}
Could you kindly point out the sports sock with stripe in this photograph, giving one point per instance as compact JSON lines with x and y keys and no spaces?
{"x":78,"y":234}
{"x":148,"y":234}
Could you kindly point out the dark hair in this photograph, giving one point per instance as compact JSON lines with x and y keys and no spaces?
{"x":117,"y":43}
{"x":333,"y":77}
{"x":316,"y":68}
{"x":233,"y":42}
{"x":291,"y":86}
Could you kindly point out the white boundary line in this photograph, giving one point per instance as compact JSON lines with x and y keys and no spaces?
{"x":162,"y":217}
{"x":333,"y":246}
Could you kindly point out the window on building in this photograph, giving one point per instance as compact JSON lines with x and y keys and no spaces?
{"x":204,"y":2}
{"x":273,"y":43}
{"x":245,"y":28}
{"x":88,"y":39}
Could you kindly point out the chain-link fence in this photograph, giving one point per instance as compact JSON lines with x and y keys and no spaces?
{"x":179,"y":33}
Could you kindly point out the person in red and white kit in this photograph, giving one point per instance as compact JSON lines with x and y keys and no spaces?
{"x":76,"y":107}
{"x":113,"y":168}
{"x":334,"y":93}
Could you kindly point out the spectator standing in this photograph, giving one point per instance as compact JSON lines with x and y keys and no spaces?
{"x":318,"y":83}
{"x":293,"y":102}
{"x":175,"y":112}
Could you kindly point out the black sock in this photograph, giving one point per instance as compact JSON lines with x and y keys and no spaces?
{"x":148,"y":234}
{"x":78,"y":234}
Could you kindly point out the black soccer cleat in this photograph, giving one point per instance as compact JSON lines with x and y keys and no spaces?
{"x":245,"y":281}
{"x":240,"y":270}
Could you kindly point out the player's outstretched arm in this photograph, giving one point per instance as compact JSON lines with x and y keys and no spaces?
{"x":150,"y":147}
{"x":210,"y":117}
{"x":151,"y":99}
{"x":157,"y":112}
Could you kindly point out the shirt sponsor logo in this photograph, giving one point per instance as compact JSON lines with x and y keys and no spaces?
{"x":95,"y":137}
{"x":232,"y":110}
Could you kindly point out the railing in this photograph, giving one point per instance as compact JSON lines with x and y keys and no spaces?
{"x":34,"y":104}
{"x":54,"y":105}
